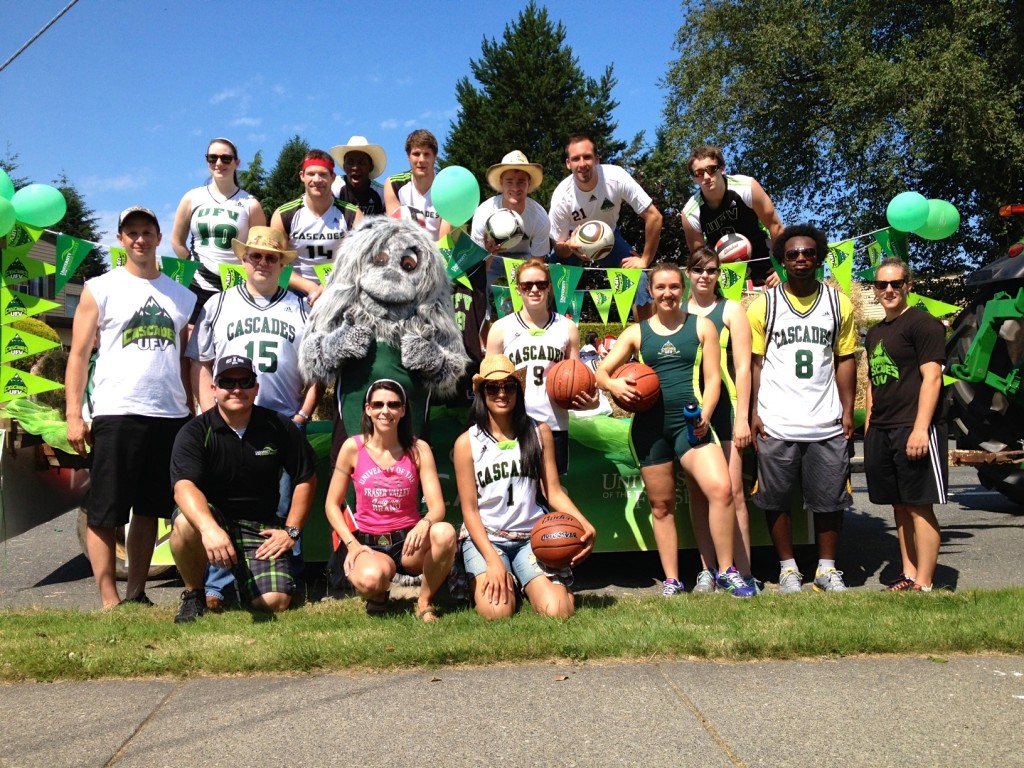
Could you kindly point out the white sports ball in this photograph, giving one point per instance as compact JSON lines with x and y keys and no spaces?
{"x":408,"y":213}
{"x":594,"y":240}
{"x":733,"y":247}
{"x":505,"y":228}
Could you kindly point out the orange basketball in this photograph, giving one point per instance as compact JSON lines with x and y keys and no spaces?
{"x":568,"y":378}
{"x":556,"y":539}
{"x":646,"y":383}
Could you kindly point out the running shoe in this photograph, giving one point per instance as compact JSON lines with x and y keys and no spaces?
{"x":754,"y":584}
{"x":705,"y":583}
{"x":902,"y":584}
{"x":672,"y":587}
{"x":829,"y":581}
{"x":193,"y":605}
{"x":790,"y":580}
{"x":733,"y":583}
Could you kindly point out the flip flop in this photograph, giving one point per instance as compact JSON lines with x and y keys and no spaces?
{"x":377,"y":607}
{"x":428,"y":615}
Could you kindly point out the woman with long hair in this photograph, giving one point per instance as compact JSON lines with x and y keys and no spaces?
{"x":504,"y":463}
{"x":669,"y":342}
{"x":388,"y":467}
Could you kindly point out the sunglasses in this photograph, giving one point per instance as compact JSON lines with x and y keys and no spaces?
{"x":896,"y":285}
{"x":497,"y":387}
{"x":711,"y":170}
{"x":236,"y":382}
{"x":380,"y":405}
{"x":712,"y":271}
{"x":270,"y":258}
{"x":794,"y":253}
{"x":226,"y":159}
{"x":528,"y":285}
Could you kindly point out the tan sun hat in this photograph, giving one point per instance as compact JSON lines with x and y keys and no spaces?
{"x":264,"y":239}
{"x":378,"y":156}
{"x":515,"y":161}
{"x":498,"y":368}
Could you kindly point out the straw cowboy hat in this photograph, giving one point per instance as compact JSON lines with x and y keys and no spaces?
{"x":378,"y":156}
{"x":264,"y":239}
{"x":498,"y":368}
{"x":515,"y":161}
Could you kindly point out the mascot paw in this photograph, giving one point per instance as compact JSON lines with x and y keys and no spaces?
{"x":347,"y":342}
{"x":422,"y":354}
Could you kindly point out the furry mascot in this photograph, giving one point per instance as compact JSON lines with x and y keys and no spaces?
{"x":386,"y":312}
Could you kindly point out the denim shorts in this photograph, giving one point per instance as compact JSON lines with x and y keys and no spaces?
{"x":517,"y":556}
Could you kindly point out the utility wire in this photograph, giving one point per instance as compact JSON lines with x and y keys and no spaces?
{"x":38,"y":34}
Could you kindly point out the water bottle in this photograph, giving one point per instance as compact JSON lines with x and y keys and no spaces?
{"x":691,"y":412}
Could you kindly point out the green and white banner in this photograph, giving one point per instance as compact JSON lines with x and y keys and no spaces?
{"x":17,"y":305}
{"x":15,"y":344}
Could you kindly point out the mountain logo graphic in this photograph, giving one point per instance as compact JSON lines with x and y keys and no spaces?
{"x":16,"y":347}
{"x":150,"y":328}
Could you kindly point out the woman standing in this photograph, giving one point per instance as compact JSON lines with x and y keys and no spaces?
{"x":388,"y":467}
{"x":669,"y":343}
{"x":904,"y":436}
{"x":731,"y":418}
{"x":502,"y":463}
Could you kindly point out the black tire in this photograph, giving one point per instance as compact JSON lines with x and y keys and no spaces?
{"x":119,"y":556}
{"x":981,"y":418}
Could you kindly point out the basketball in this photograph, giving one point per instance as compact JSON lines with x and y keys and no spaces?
{"x":646,"y":383}
{"x":555,"y":539}
{"x":593,"y":239}
{"x":733,"y":247}
{"x":505,"y":229}
{"x":568,"y":378}
{"x":408,"y":213}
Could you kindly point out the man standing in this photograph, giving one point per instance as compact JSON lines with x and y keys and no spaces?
{"x":596,"y":191}
{"x":803,"y":382}
{"x":138,"y":400}
{"x":356,"y":191}
{"x":728,"y":204}
{"x":314,"y":224}
{"x":412,"y":188}
{"x":263,"y":322}
{"x":224,"y":469}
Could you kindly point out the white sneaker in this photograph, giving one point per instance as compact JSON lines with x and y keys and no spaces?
{"x":829,"y":580}
{"x":790,"y":580}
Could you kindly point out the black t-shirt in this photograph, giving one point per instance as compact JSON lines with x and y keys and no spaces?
{"x":351,"y":201}
{"x":896,"y":351}
{"x":734,"y":215}
{"x":240,"y":475}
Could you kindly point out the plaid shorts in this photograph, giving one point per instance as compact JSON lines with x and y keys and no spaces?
{"x":257,"y":577}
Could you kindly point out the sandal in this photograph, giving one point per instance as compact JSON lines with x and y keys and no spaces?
{"x":377,"y":607}
{"x":428,"y":615}
{"x":902,"y":584}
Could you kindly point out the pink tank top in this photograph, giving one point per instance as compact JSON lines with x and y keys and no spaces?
{"x":386,"y":499}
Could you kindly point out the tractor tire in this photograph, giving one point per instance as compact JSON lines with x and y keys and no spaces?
{"x":981,"y":418}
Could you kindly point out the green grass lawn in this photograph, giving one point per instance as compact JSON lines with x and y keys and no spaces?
{"x":337,"y":635}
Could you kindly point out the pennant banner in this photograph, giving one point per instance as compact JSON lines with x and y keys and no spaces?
{"x":893,"y":244}
{"x":17,"y":305}
{"x":624,"y":283}
{"x":71,"y":252}
{"x":18,"y":268}
{"x":840,"y":263}
{"x":603,"y":301}
{"x":179,"y":270}
{"x":15,"y":383}
{"x":118,"y":257}
{"x":323,"y":273}
{"x":934,"y":307}
{"x":233,"y":274}
{"x":461,"y":253}
{"x":511,"y":268}
{"x":575,"y":308}
{"x":564,"y":280}
{"x":22,"y":238}
{"x":15,"y":344}
{"x":865,"y":275}
{"x":732,"y":279}
{"x":502,"y":300}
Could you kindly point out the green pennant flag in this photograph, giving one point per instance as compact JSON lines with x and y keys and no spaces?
{"x":564,"y":280}
{"x":70,"y":253}
{"x":118,"y":257}
{"x":840,"y":262}
{"x":463,"y":255}
{"x":624,"y":283}
{"x":865,"y":275}
{"x":22,"y":236}
{"x":233,"y":274}
{"x":179,"y":270}
{"x":874,"y":254}
{"x":18,"y":305}
{"x":17,"y":268}
{"x":947,"y":380}
{"x":502,"y":300}
{"x":603,"y":300}
{"x":15,"y":383}
{"x":15,"y":344}
{"x":446,"y":244}
{"x":733,"y":278}
{"x":511,"y":268}
{"x":778,"y":268}
{"x":934,"y":307}
{"x":575,"y":310}
{"x":893,"y":244}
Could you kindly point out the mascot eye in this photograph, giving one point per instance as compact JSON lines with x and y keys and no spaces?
{"x":410,"y":260}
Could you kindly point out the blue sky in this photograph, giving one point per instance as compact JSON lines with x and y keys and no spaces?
{"x":123,"y":95}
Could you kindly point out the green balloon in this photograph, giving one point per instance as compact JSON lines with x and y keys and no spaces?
{"x":7,"y":216}
{"x":907,"y":211}
{"x":39,"y":205}
{"x":943,"y":220}
{"x":6,"y":185}
{"x":456,"y":194}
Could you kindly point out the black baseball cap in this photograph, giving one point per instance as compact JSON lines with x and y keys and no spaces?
{"x":231,"y":362}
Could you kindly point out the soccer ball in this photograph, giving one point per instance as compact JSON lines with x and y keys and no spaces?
{"x":505,"y":229}
{"x":593,"y":240}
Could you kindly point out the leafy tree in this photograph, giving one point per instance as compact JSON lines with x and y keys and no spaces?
{"x":532,"y":95}
{"x":838,"y":105}
{"x":254,"y":178}
{"x":283,"y":183}
{"x":81,"y":221}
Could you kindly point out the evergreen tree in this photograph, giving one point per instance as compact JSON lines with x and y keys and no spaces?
{"x":283,"y":184}
{"x":254,"y":178}
{"x":81,"y":221}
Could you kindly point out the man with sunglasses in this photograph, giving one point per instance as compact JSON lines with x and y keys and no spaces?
{"x":224,"y":468}
{"x":726,"y":204}
{"x":803,"y":383}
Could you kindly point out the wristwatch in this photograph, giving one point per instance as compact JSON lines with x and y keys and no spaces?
{"x":292,"y":532}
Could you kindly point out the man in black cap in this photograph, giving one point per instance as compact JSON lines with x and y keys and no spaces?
{"x":225,"y":469}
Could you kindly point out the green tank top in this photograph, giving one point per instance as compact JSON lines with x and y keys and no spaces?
{"x":672,"y":358}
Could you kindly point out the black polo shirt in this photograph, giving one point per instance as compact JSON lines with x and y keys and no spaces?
{"x":240,"y":475}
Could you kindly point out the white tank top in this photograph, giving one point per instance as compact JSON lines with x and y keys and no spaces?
{"x":212,"y":225}
{"x":506,"y":499}
{"x":408,"y":195}
{"x":316,"y":238}
{"x":536,"y":350}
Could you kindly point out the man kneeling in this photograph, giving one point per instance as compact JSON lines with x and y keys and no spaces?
{"x":225,"y":469}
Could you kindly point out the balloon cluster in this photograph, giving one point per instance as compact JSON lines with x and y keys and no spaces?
{"x":37,"y":205}
{"x":930,"y":219}
{"x":455,"y":194}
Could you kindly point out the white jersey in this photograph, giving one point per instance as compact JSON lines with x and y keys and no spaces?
{"x":267,"y":331}
{"x":316,"y":238}
{"x":570,"y":206}
{"x":535,"y":223}
{"x":536,"y":350}
{"x":138,"y":367}
{"x":507,"y":500}
{"x":409,"y":196}
{"x":212,"y":225}
{"x":799,"y":368}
